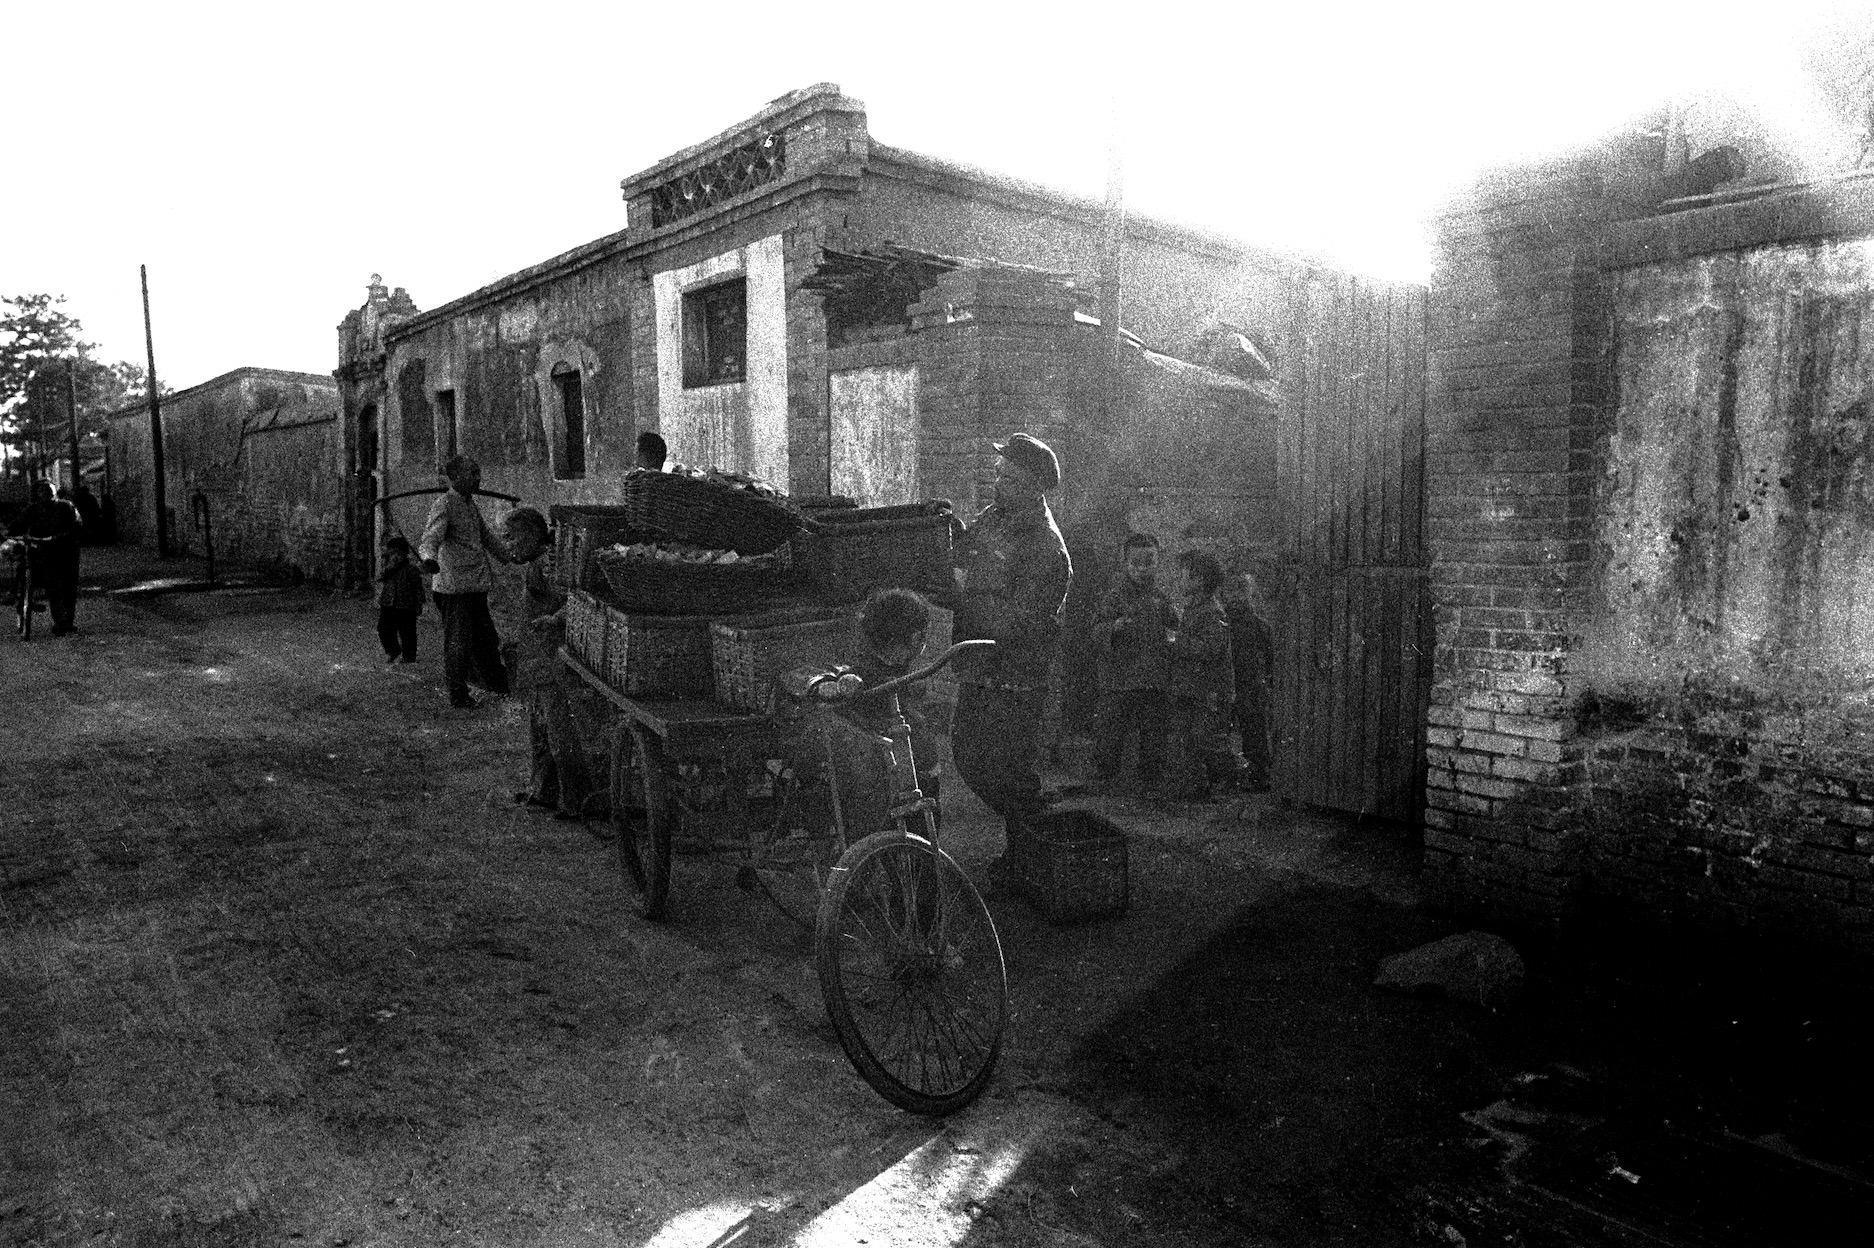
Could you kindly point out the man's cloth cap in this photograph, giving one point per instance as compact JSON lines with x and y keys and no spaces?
{"x":1027,"y":451}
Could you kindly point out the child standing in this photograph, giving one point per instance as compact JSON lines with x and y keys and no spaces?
{"x":1131,"y":634}
{"x":1203,"y":686}
{"x":399,"y":601}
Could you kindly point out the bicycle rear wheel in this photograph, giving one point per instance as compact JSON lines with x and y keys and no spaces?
{"x":912,"y":972}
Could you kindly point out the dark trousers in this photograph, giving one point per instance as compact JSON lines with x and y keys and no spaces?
{"x":1252,"y":721}
{"x":1123,"y":712}
{"x":59,"y":579}
{"x":995,"y":740}
{"x":396,"y":632}
{"x":471,"y":649}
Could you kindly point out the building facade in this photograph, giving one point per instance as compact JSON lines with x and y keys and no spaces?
{"x":706,"y":319}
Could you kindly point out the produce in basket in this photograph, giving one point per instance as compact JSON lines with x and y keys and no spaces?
{"x":681,"y":552}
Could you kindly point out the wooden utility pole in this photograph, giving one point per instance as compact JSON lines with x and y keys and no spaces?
{"x":156,"y":421}
{"x":71,"y":412}
{"x":1112,"y":263}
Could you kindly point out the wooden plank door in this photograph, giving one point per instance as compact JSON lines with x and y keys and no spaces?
{"x":1352,"y":645}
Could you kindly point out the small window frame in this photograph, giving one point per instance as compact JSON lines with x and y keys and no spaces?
{"x":715,"y":334}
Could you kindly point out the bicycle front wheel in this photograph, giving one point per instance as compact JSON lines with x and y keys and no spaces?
{"x":912,"y":972}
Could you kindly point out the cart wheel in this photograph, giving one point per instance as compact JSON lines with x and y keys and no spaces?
{"x":911,"y":969}
{"x":641,"y":819}
{"x":800,"y":842}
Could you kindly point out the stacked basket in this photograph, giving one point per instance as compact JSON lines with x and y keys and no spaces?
{"x":846,"y":553}
{"x":748,"y":653}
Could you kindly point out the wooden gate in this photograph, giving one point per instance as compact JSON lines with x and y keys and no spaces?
{"x":1352,"y":624}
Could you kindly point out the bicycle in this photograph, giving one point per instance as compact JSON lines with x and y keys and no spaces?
{"x":907,"y":954}
{"x":29,"y":599}
{"x":909,"y":960}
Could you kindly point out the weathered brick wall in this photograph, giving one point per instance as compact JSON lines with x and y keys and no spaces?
{"x":1650,"y":502}
{"x":1725,"y":660}
{"x":1517,"y":346}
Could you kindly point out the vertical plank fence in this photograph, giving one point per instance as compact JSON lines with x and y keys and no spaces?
{"x":1353,"y":644}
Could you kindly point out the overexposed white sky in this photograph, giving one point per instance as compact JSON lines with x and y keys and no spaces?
{"x":264,"y":160}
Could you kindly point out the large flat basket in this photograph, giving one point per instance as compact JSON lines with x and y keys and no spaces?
{"x":846,"y":554}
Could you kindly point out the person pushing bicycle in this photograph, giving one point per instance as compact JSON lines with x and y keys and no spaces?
{"x":54,"y":525}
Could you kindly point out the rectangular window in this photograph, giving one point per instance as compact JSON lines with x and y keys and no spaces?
{"x":445,"y":412}
{"x":715,"y":334}
{"x":573,"y":421}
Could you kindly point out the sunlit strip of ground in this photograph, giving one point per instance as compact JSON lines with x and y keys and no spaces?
{"x":925,"y":1201}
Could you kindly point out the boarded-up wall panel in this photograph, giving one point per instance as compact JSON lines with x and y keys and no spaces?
{"x":875,"y":434}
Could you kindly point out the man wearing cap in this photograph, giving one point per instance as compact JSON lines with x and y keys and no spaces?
{"x":1015,"y":574}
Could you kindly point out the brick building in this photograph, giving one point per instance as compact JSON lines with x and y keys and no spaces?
{"x":702,"y":319}
{"x":263,"y":448}
{"x":1650,"y":501}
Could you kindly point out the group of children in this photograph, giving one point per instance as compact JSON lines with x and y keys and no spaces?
{"x":1165,"y":671}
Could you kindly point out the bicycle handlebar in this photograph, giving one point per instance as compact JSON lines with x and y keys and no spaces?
{"x":898,"y":682}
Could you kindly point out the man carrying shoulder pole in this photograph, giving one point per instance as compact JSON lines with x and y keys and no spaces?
{"x":457,"y":549}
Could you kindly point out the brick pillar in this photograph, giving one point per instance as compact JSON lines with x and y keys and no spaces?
{"x":1517,"y":391}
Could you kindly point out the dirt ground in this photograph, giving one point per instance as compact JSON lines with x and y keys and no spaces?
{"x":282,"y":963}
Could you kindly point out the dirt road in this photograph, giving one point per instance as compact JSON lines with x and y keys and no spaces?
{"x":281,"y":963}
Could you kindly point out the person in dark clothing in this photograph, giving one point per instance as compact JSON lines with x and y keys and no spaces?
{"x":55,"y":557}
{"x":1131,"y":639}
{"x":91,"y":514}
{"x":1202,"y":686}
{"x":1253,"y":665}
{"x":399,"y":601}
{"x":1015,"y":577}
{"x":892,"y":627}
{"x":652,"y":451}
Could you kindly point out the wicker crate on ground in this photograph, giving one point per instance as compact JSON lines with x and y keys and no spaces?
{"x":747,"y":654}
{"x":1078,"y":867}
{"x":581,"y":531}
{"x":849,"y":553}
{"x":585,"y":629}
{"x":657,"y":656}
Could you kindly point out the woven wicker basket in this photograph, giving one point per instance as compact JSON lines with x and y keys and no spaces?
{"x":580,"y":532}
{"x":705,"y":513}
{"x":585,"y":629}
{"x":748,"y":654}
{"x":657,"y":656}
{"x":1077,"y":867}
{"x":665,"y":587}
{"x":849,"y":553}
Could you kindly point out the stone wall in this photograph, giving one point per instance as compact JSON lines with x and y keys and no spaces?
{"x":263,"y":447}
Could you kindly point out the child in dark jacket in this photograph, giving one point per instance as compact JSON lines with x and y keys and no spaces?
{"x":1203,"y":686}
{"x":1130,"y":632}
{"x":399,"y":602}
